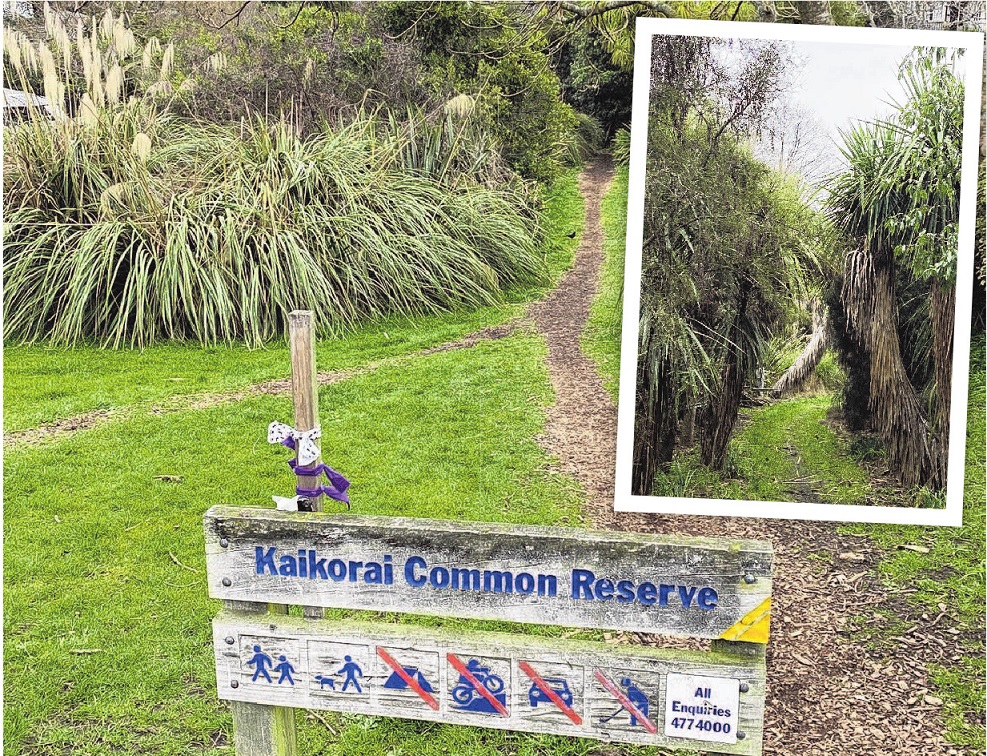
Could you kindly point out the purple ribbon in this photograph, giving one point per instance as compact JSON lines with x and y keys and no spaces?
{"x":337,"y":481}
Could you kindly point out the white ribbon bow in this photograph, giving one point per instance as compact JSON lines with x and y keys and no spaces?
{"x":305,"y":446}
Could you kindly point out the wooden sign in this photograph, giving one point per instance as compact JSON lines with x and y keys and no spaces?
{"x":706,"y":588}
{"x":633,"y":694}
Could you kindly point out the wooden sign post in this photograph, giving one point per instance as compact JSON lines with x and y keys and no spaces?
{"x":261,"y":729}
{"x":259,"y":561}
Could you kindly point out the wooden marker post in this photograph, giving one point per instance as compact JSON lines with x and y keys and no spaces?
{"x":259,"y":729}
{"x":304,"y":385}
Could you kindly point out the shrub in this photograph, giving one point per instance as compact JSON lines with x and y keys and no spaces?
{"x":128,"y":228}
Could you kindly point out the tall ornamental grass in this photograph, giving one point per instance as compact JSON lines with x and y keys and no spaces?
{"x":132,"y":229}
{"x":123,"y":226}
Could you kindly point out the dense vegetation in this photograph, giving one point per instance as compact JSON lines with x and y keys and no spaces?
{"x":898,"y":203}
{"x":728,"y":247}
{"x":736,"y":260}
{"x":155,"y":207}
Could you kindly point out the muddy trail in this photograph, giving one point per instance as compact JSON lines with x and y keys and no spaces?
{"x":831,"y":692}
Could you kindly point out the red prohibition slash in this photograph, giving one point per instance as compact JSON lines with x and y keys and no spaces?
{"x":478,"y":686}
{"x":625,"y":702}
{"x":411,"y":682}
{"x":545,"y":688}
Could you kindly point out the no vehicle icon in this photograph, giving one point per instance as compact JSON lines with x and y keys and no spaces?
{"x":553,"y":691}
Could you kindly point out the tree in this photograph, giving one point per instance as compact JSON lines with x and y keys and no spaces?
{"x":899,"y":205}
{"x":726,"y":244}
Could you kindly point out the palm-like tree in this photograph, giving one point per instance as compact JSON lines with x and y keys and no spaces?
{"x":899,"y":205}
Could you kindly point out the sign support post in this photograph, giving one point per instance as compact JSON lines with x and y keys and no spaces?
{"x":261,"y":729}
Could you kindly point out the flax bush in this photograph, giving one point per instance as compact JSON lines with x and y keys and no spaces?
{"x":124,"y":226}
{"x":132,"y":228}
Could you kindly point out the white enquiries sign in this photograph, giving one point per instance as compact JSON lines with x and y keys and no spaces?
{"x":702,"y":708}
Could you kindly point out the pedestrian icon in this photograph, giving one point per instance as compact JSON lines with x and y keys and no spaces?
{"x":285,"y":669}
{"x":352,"y":670}
{"x":261,"y":662}
{"x":478,"y":689}
{"x":400,"y":682}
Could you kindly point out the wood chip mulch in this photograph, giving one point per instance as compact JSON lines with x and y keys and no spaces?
{"x":838,"y":685}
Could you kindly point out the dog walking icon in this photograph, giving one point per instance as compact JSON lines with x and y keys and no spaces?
{"x":351,"y":669}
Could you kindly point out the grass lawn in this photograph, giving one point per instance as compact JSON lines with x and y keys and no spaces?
{"x":784,"y":452}
{"x":102,"y":558}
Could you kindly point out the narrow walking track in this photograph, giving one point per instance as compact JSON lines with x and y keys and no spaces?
{"x":67,"y":426}
{"x":829,"y":694}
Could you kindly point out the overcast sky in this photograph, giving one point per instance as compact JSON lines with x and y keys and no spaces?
{"x":842,"y":82}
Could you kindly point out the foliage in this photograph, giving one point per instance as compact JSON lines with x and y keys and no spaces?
{"x":898,"y":202}
{"x":586,"y":140}
{"x":727,"y":244}
{"x":621,"y":147}
{"x":217,"y":233}
{"x":500,"y":59}
{"x":593,"y":84}
{"x":313,"y":62}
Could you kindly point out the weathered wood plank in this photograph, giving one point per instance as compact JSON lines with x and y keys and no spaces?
{"x":586,"y":689}
{"x":304,"y":388}
{"x":676,"y":586}
{"x":260,"y":730}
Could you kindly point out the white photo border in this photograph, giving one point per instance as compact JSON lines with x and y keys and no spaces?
{"x":952,"y":515}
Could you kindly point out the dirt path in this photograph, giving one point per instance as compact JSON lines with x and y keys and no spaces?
{"x":830,"y":693}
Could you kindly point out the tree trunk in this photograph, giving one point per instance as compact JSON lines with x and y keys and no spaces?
{"x":720,"y":417}
{"x":943,"y":315}
{"x":655,"y":424}
{"x":805,"y":365}
{"x":914,"y":452}
{"x":816,"y":13}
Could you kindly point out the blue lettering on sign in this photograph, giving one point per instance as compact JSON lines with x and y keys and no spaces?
{"x":585,"y":585}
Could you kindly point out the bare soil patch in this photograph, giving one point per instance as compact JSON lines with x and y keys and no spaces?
{"x":837,"y":684}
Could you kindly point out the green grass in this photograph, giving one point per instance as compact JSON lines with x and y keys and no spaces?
{"x":90,"y":552}
{"x":44,"y":383}
{"x":601,"y":338}
{"x":563,"y":215}
{"x":784,"y":452}
{"x":952,"y":574}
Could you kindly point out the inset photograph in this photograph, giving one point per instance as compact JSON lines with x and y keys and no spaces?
{"x":798,"y":282}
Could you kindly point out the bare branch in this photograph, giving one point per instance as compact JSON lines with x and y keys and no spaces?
{"x":589,"y":10}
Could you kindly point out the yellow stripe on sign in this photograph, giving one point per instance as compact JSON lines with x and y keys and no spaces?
{"x":753,"y":628}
